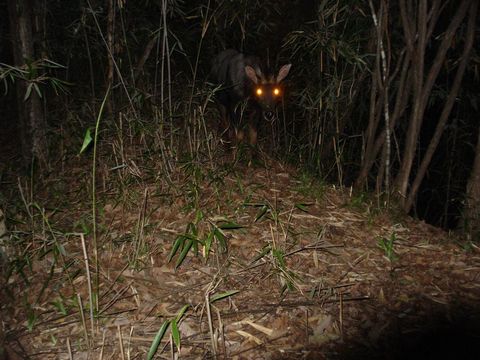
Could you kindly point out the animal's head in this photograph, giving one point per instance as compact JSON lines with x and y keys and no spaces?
{"x":267,"y":90}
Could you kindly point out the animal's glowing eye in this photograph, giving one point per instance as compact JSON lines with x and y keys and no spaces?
{"x":276,"y":91}
{"x":259,"y":91}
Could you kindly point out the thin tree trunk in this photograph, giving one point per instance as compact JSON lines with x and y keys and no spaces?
{"x":110,"y":46}
{"x":368,"y":155}
{"x":417,"y":54}
{"x":31,"y":121}
{"x":422,"y":90}
{"x":472,"y":207}
{"x":381,"y":22}
{"x":401,"y":100}
{"x":447,"y":108}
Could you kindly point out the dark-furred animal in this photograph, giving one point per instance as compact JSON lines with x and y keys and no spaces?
{"x":246,"y":84}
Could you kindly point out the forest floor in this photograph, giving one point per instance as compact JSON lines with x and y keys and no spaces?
{"x":295,"y":269}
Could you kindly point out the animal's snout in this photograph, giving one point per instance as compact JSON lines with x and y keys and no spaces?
{"x":269,"y":115}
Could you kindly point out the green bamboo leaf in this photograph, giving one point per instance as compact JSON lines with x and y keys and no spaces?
{"x":220,"y":237}
{"x":157,"y":340}
{"x":184,"y":253}
{"x":302,"y":206}
{"x":87,"y":140}
{"x":176,"y":334}
{"x":223,"y":295}
{"x":53,"y":64}
{"x":181,"y":312}
{"x":28,"y":92}
{"x":180,"y":240}
{"x":208,"y":243}
{"x":230,"y":225}
{"x":266,"y":250}
{"x":262,"y":212}
{"x":37,"y":89}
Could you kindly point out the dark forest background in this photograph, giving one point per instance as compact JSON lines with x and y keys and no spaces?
{"x":359,"y":68}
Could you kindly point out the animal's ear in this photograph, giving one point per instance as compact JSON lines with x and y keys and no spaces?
{"x":283,"y":72}
{"x":251,"y":74}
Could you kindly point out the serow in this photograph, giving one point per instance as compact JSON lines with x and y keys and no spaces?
{"x":248,"y":93}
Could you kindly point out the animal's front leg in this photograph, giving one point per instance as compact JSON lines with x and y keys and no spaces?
{"x":240,"y":135}
{"x":226,"y":127}
{"x":252,"y":129}
{"x":223,"y":124}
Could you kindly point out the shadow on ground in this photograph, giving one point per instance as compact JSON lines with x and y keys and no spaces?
{"x":439,"y":333}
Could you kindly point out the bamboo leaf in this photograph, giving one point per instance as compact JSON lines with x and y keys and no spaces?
{"x":223,"y":295}
{"x":220,"y":236}
{"x":264,"y":252}
{"x":181,"y":312}
{"x":180,"y":240}
{"x":28,"y":92}
{"x":156,"y":341}
{"x":87,"y":140}
{"x":262,"y":212}
{"x":208,"y":244}
{"x":37,"y":90}
{"x":230,"y":225}
{"x":303,"y":206}
{"x":184,"y":253}
{"x":176,"y":334}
